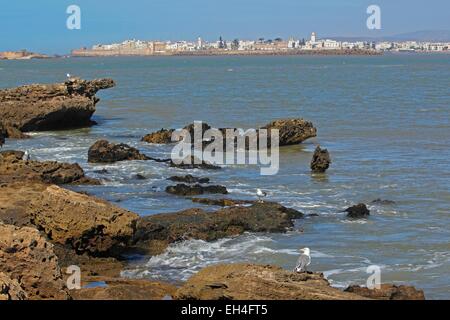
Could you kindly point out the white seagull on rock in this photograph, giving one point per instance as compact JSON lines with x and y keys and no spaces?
{"x":260,"y":194}
{"x":303,"y":261}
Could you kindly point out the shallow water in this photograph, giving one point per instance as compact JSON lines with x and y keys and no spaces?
{"x":384,"y":119}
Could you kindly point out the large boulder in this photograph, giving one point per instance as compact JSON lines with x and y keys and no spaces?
{"x":80,"y":222}
{"x":388,"y":292}
{"x":258,"y":282}
{"x":39,"y":107}
{"x":14,"y":168}
{"x":292,"y":131}
{"x":154,"y":233}
{"x":105,"y":152}
{"x":320,"y":161}
{"x":27,"y":257}
{"x":197,"y":189}
{"x":10,"y":289}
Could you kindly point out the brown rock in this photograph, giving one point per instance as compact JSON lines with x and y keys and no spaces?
{"x":389,"y":292}
{"x":28,"y":258}
{"x":321,"y":160}
{"x":292,"y":131}
{"x":162,"y":136}
{"x":10,"y":289}
{"x":13,"y":168}
{"x":104,"y":152}
{"x":223,"y":202}
{"x":39,"y":107}
{"x":81,"y":222}
{"x":154,"y":233}
{"x":191,"y":190}
{"x":258,"y":282}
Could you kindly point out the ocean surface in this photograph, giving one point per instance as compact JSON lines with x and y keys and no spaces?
{"x":384,"y":119}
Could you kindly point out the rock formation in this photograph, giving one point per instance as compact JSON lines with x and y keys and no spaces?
{"x":321,"y":160}
{"x":39,"y":107}
{"x":358,"y":211}
{"x":188,"y":179}
{"x":388,"y":292}
{"x":105,"y":152}
{"x":292,"y":131}
{"x":162,"y":136}
{"x":258,"y":282}
{"x":10,"y":289}
{"x":192,"y":190}
{"x":28,"y":258}
{"x":223,"y":202}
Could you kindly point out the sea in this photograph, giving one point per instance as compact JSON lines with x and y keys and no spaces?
{"x":384,"y":119}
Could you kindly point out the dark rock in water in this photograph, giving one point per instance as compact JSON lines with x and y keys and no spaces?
{"x":40,"y":107}
{"x":154,"y":233}
{"x":194,"y":163}
{"x":383,"y":202}
{"x":3,"y":135}
{"x":292,"y":131}
{"x":320,"y":161}
{"x":388,"y":292}
{"x":13,"y":168}
{"x":224,"y":202}
{"x":102,"y":171}
{"x":162,"y":136}
{"x":358,"y":211}
{"x":11,"y":133}
{"x":191,"y":190}
{"x":140,"y":177}
{"x":189,"y":179}
{"x":105,"y":152}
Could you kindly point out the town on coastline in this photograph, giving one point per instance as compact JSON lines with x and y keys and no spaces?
{"x":260,"y":46}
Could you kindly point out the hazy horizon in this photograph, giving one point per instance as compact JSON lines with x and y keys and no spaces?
{"x":41,"y":27}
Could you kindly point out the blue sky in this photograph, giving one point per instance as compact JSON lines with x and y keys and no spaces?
{"x":41,"y":25}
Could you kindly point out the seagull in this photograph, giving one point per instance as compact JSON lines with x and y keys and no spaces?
{"x":303,"y":261}
{"x":68,"y":76}
{"x":260,"y":194}
{"x":26,"y":156}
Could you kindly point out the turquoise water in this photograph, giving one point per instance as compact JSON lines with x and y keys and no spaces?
{"x":385,"y":120}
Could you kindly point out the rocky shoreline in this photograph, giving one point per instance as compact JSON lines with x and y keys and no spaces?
{"x":45,"y":227}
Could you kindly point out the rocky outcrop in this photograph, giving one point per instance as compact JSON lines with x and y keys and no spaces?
{"x":40,"y":107}
{"x":105,"y":152}
{"x":358,"y":211}
{"x":223,"y":202}
{"x":188,"y":179}
{"x":13,"y":168}
{"x":28,"y":258}
{"x":10,"y":289}
{"x":162,"y":136}
{"x":80,"y":222}
{"x":292,"y":131}
{"x":258,"y":282}
{"x":154,"y":233}
{"x":320,"y":161}
{"x":193,"y":162}
{"x":388,"y":292}
{"x":192,"y":190}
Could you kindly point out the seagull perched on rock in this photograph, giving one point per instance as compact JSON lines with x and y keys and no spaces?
{"x":26,"y":156}
{"x":303,"y":261}
{"x":68,"y":76}
{"x":260,"y":194}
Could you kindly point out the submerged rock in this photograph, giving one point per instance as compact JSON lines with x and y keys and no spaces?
{"x":321,"y":160}
{"x":383,"y":202}
{"x":103,"y":151}
{"x":13,"y":168}
{"x":154,"y":233}
{"x":358,"y":211}
{"x":28,"y":258}
{"x":40,"y":107}
{"x":193,"y":162}
{"x":80,"y":222}
{"x":388,"y":292}
{"x":192,"y":190}
{"x":292,"y":131}
{"x":189,"y":179}
{"x":258,"y":282}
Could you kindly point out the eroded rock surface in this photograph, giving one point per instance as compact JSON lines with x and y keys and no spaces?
{"x":162,"y":136}
{"x":389,"y":292}
{"x":222,"y":202}
{"x":103,"y":151}
{"x":320,"y":161}
{"x":39,"y":107}
{"x":292,"y":131}
{"x":10,"y":289}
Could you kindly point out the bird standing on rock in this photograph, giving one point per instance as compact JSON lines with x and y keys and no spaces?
{"x":260,"y":194}
{"x":303,"y":261}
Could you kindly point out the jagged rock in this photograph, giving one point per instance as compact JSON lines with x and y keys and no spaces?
{"x":83,"y":223}
{"x":29,"y":258}
{"x":358,"y":211}
{"x":321,"y":160}
{"x":189,"y":179}
{"x":258,"y":282}
{"x":162,"y":136}
{"x":292,"y":131}
{"x":224,"y":202}
{"x":10,"y":289}
{"x":192,"y":190}
{"x":193,"y":162}
{"x":388,"y":292}
{"x":105,"y":152}
{"x":154,"y":233}
{"x":39,"y":107}
{"x":13,"y":168}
